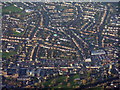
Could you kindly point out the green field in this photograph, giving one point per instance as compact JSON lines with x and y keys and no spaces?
{"x":60,"y":82}
{"x":17,"y":34}
{"x":10,"y":9}
{"x":8,"y":54}
{"x":96,"y":88}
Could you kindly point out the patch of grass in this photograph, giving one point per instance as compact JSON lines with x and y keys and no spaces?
{"x":17,"y":34}
{"x":96,"y":88}
{"x":61,"y":83}
{"x":23,"y":13}
{"x":10,"y":9}
{"x":56,"y":80}
{"x":48,"y":83}
{"x":8,"y":54}
{"x":61,"y":86}
{"x":61,"y":79}
{"x":76,"y":76}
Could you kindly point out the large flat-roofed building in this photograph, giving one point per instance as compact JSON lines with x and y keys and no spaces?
{"x":98,"y":52}
{"x":88,"y":60}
